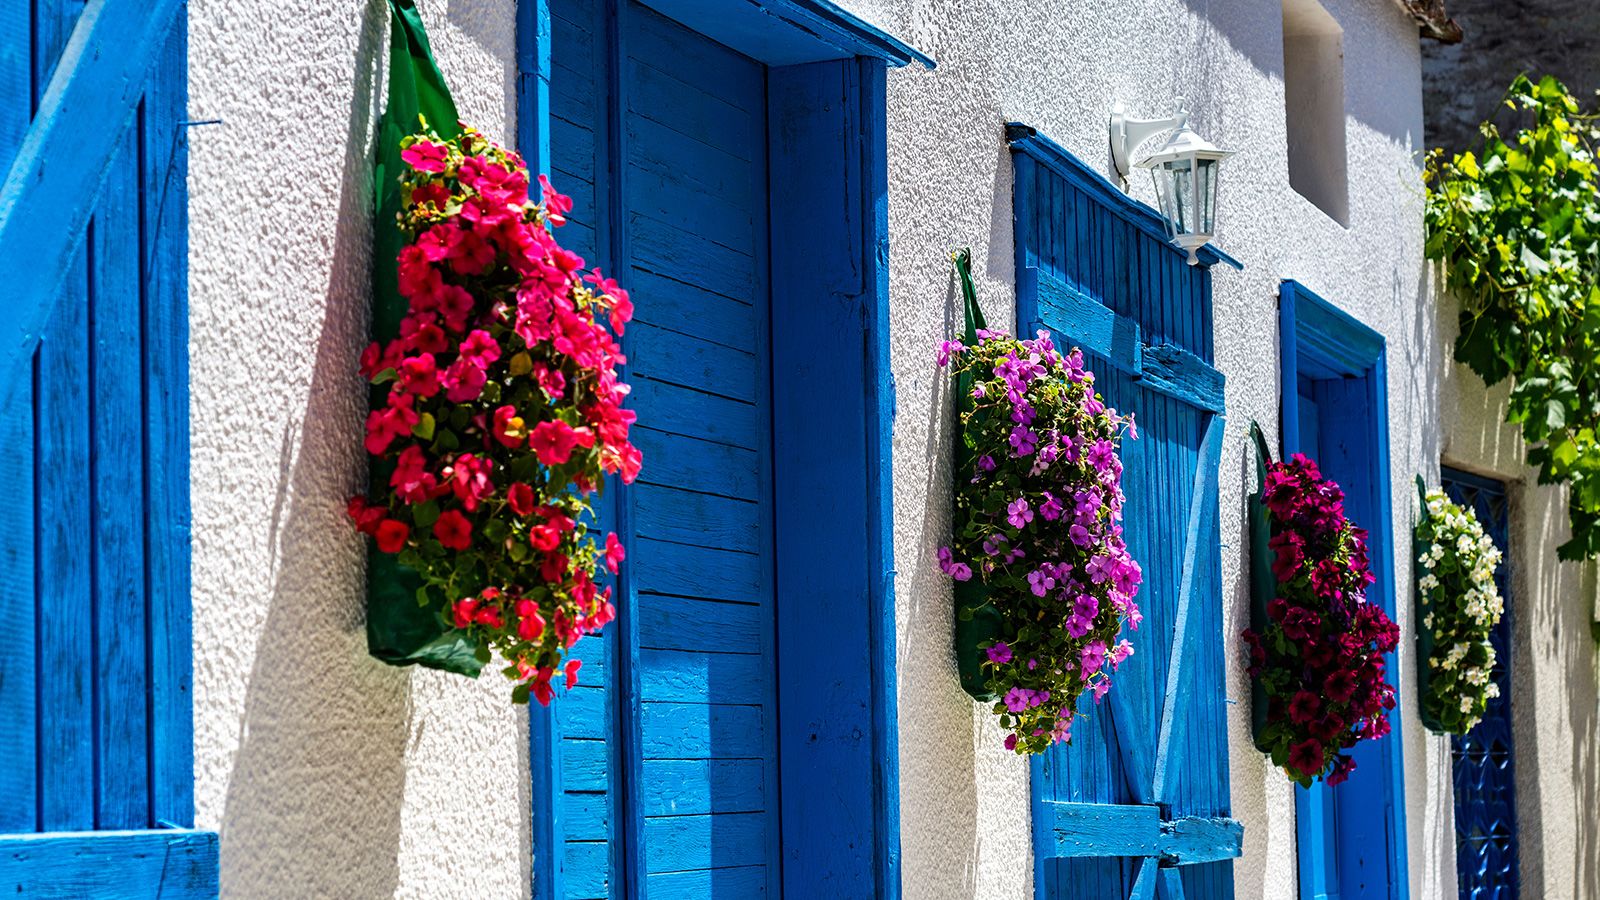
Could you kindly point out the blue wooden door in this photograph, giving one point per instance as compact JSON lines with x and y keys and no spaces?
{"x":1483,"y":761}
{"x":1137,"y":805}
{"x":688,"y":678}
{"x":1351,"y":837}
{"x":96,"y":748}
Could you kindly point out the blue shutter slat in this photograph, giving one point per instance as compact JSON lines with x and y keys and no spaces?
{"x":64,"y":562}
{"x":1190,"y":633}
{"x":1098,"y":829}
{"x":115,"y":417}
{"x":164,"y":220}
{"x":18,"y":664}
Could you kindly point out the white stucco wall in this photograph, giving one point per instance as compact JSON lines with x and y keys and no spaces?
{"x":327,"y":773}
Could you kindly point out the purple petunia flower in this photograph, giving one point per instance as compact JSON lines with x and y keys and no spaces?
{"x":1094,"y":656}
{"x":947,"y":350}
{"x":1120,"y":652}
{"x":1016,"y":699}
{"x":1000,"y":653}
{"x":1018,"y":513}
{"x":1051,"y":507}
{"x":1099,"y":568}
{"x":1023,"y":440}
{"x":1080,"y":535}
{"x":1041,"y":581}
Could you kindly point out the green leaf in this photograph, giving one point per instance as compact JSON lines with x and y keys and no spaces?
{"x":424,"y":514}
{"x":424,"y":427}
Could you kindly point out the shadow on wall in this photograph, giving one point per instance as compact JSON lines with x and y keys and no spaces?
{"x":1255,"y":30}
{"x":934,"y":709}
{"x":1555,"y":674}
{"x":314,"y":800}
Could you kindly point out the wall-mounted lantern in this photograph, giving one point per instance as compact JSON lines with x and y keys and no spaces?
{"x":1184,"y":169}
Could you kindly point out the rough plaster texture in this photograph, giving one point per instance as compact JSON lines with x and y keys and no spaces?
{"x":1555,"y":658}
{"x":964,"y":800}
{"x":327,"y":773}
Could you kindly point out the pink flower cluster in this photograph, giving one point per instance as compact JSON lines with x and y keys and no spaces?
{"x":1320,"y":655}
{"x":1039,"y":521}
{"x":501,"y":412}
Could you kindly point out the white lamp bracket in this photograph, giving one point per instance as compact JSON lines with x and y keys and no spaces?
{"x":1128,"y":134}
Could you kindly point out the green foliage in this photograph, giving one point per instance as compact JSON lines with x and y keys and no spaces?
{"x":1516,"y":228}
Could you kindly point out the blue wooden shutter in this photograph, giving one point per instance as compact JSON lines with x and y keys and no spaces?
{"x":96,"y":775}
{"x":1483,"y":759}
{"x":1137,"y":805}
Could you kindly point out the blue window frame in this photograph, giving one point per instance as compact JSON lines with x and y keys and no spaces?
{"x":1138,"y":803}
{"x":1335,"y":409}
{"x":96,"y":752}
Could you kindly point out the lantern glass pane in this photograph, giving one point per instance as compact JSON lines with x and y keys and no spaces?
{"x":1206,"y":173}
{"x":1163,"y":185}
{"x":1180,"y":176}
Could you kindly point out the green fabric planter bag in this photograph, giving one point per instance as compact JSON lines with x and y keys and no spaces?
{"x":401,"y":630}
{"x":977,"y":620}
{"x":1263,"y":584}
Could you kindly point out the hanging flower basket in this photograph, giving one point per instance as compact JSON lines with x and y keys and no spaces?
{"x":1037,"y":551}
{"x":496,"y":405}
{"x":1458,"y":606}
{"x":1315,"y":646}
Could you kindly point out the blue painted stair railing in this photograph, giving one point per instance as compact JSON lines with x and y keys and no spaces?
{"x":1137,"y":805}
{"x":96,"y":745}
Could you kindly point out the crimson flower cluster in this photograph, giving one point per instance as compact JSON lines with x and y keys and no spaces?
{"x":1319,"y":656}
{"x":498,"y":412}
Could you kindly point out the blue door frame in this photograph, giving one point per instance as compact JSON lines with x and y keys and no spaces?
{"x":1335,"y":409}
{"x":829,"y":326}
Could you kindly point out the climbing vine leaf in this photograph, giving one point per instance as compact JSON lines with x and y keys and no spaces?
{"x":1516,"y":228}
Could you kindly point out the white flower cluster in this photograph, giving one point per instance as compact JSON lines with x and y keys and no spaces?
{"x":1461,"y":606}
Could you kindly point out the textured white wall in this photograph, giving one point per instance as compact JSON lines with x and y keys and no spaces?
{"x":327,"y":773}
{"x":1059,"y":67}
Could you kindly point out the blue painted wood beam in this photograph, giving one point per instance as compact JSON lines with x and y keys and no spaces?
{"x":1086,"y":323}
{"x":789,"y":32}
{"x":1099,"y":829}
{"x":50,"y":192}
{"x":177,"y":864}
